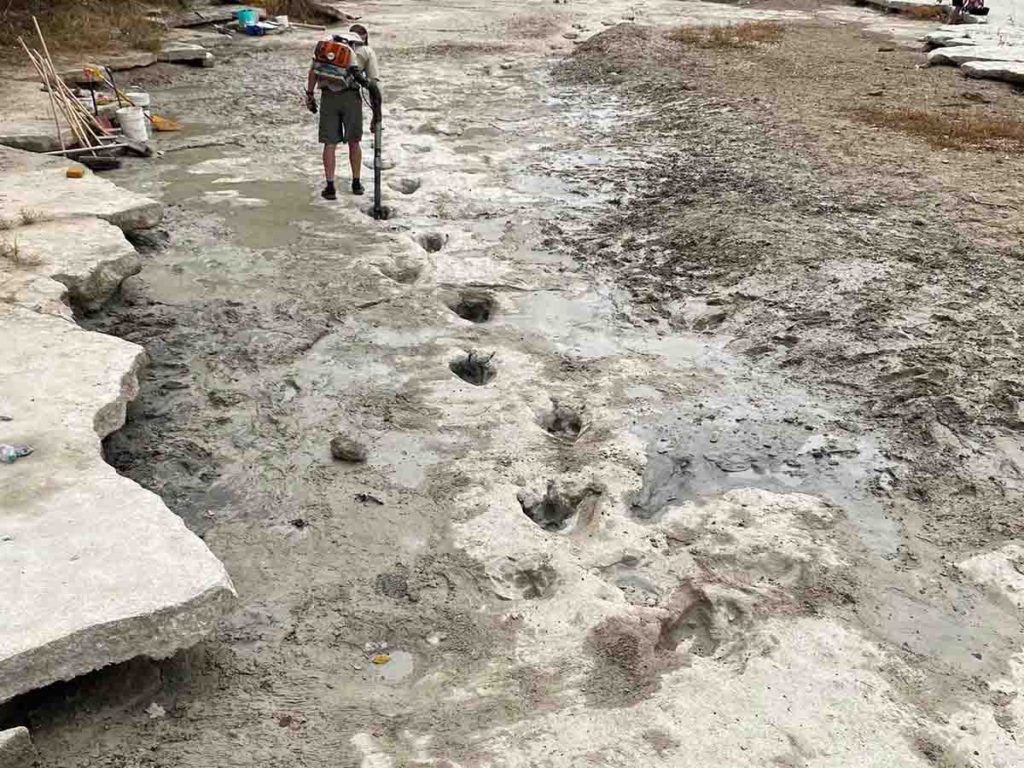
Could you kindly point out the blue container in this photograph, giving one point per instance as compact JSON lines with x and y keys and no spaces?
{"x":247,"y":17}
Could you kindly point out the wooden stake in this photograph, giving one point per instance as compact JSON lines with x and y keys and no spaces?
{"x":87,"y":149}
{"x":49,"y":92}
{"x":77,"y":113}
{"x":59,"y":98}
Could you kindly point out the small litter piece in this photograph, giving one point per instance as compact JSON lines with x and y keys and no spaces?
{"x":368,"y":498}
{"x":11,"y":453}
{"x":75,"y":172}
{"x":155,"y":711}
{"x":381,"y":658}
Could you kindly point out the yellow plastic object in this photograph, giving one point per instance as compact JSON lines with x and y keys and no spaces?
{"x":381,"y":658}
{"x":164,"y":123}
{"x":76,"y":172}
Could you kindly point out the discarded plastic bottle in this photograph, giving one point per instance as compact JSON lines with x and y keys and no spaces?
{"x":11,"y":453}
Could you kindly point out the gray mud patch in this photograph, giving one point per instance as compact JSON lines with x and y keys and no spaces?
{"x":856,"y":287}
{"x":712,"y":446}
{"x":628,"y":663}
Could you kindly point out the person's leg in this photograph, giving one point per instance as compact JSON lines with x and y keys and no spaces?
{"x":330,"y":161}
{"x":330,"y":155}
{"x":355,"y":158}
{"x":352,"y":125}
{"x":330,"y":136}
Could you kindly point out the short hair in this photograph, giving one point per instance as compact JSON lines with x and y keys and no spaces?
{"x":360,"y":30}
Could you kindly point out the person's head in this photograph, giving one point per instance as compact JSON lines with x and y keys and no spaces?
{"x":359,"y":29}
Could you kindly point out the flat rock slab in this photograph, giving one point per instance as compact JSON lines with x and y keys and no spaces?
{"x":88,"y":258}
{"x":116,"y":63}
{"x":940,"y":39}
{"x":17,"y":749}
{"x":333,"y":11}
{"x":25,"y":120}
{"x":978,"y":34}
{"x":31,"y":140}
{"x":209,"y":14}
{"x":902,"y":5}
{"x":35,"y":188}
{"x":96,"y":569}
{"x":959,"y":54}
{"x":1008,"y":71}
{"x":33,"y":291}
{"x":185,"y":53}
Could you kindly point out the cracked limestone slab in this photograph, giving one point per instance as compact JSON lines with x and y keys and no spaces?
{"x":959,"y":54}
{"x":1007,"y":71}
{"x":25,"y":122}
{"x":86,"y":259}
{"x":96,"y":569}
{"x":35,"y":188}
{"x":982,"y":35}
{"x":940,"y":39}
{"x":185,"y":53}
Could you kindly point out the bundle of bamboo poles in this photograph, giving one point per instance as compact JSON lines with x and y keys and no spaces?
{"x":85,"y":130}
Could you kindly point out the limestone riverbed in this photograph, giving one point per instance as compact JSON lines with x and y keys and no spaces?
{"x":737,"y":483}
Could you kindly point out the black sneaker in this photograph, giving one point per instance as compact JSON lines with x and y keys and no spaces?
{"x":357,"y":187}
{"x":329,"y":193}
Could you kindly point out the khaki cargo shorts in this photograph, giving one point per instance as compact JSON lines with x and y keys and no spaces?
{"x":341,"y":116}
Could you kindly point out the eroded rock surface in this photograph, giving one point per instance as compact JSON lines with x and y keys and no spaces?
{"x":97,"y":570}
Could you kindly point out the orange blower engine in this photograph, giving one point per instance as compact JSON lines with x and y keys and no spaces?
{"x":333,"y":60}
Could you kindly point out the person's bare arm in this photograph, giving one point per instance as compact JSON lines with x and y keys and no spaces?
{"x":310,"y":85}
{"x":373,"y":75}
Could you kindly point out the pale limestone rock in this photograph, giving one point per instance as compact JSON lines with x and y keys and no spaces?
{"x":35,"y":188}
{"x":88,"y":257}
{"x":97,"y":570}
{"x":959,"y":54}
{"x":1008,"y":71}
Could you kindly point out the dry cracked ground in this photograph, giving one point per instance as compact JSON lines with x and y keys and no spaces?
{"x":691,"y":383}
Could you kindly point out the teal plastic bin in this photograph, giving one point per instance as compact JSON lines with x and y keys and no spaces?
{"x":247,"y":17}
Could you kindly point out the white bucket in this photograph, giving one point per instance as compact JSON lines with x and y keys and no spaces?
{"x":281,"y":21}
{"x":139,"y":99}
{"x":133,"y":123}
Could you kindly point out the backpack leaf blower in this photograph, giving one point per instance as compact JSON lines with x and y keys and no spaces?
{"x":335,"y":60}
